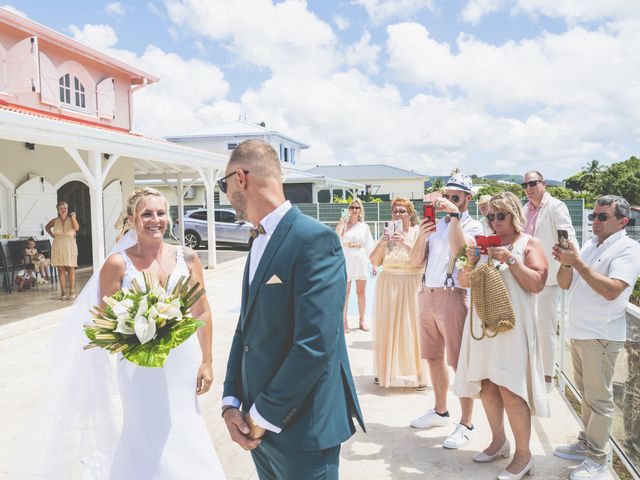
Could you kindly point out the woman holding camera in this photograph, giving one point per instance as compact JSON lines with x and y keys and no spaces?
{"x":64,"y":250}
{"x":505,"y":370}
{"x":396,"y":333}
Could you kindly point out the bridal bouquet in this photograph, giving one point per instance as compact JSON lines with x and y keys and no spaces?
{"x":145,"y":324}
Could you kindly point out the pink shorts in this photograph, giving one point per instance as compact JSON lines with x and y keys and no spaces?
{"x":442,"y":316}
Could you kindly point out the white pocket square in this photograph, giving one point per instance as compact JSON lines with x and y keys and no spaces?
{"x":274,"y":280}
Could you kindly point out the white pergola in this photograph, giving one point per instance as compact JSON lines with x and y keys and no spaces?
{"x":152,"y":158}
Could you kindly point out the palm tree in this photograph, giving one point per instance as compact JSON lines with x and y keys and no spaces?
{"x":592,"y":168}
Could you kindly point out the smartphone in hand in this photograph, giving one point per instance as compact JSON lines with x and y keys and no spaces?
{"x":388,"y":228}
{"x":344,"y":213}
{"x":563,"y":239}
{"x":484,"y":242}
{"x":429,"y":211}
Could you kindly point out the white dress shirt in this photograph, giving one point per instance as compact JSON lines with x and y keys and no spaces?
{"x":269,"y":223}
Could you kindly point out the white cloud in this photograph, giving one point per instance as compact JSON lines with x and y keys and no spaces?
{"x":153,"y":8}
{"x":380,"y":11}
{"x":187,"y":95}
{"x":114,"y":8}
{"x":341,"y":22}
{"x":13,"y":9}
{"x":474,"y":10}
{"x":99,"y":37}
{"x":284,"y":36}
{"x":364,"y":54}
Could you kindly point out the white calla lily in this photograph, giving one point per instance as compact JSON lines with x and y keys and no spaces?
{"x":145,"y":328}
{"x":170,"y":310}
{"x":123,"y":327}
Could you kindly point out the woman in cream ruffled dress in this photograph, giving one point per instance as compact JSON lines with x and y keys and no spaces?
{"x":396,"y":331}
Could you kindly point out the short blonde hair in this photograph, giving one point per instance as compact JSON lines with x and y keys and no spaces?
{"x":358,"y":202}
{"x":508,"y":202}
{"x":406,"y":203}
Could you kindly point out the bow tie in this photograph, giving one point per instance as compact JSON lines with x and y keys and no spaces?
{"x":256,"y":232}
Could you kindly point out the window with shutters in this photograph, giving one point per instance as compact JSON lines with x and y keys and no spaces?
{"x":72,"y":93}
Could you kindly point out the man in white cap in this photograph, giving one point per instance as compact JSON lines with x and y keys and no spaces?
{"x":483,"y":205}
{"x":443,"y":303}
{"x":545,"y":215}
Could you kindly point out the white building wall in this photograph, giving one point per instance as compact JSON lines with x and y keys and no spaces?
{"x":409,"y":188}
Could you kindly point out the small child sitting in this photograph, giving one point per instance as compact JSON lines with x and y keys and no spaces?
{"x":26,"y":278}
{"x":38,"y":259}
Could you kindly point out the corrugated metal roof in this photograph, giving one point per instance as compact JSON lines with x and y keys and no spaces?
{"x":364,"y":172}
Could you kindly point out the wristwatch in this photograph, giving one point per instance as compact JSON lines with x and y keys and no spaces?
{"x":511,"y":260}
{"x":455,"y":215}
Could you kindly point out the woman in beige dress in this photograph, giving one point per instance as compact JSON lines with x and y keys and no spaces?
{"x":64,"y":250}
{"x":506,"y":371}
{"x":396,"y":331}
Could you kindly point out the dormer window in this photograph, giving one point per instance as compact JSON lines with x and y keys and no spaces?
{"x":75,"y":96}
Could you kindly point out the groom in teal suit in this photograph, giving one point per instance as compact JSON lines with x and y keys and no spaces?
{"x":289,"y":396}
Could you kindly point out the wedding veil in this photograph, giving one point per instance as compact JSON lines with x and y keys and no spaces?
{"x":75,"y":429}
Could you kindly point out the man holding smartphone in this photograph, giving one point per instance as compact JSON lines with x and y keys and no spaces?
{"x":443,"y":303}
{"x":600,"y":279}
{"x":545,"y":216}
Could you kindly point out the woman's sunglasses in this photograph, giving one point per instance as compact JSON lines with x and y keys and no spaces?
{"x":500,"y":216}
{"x":354,"y":207}
{"x":222,"y":183}
{"x":399,"y":212}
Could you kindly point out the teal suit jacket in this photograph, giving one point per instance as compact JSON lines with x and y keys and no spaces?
{"x":289,"y":355}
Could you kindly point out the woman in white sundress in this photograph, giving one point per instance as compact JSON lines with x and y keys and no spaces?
{"x":357,"y":244}
{"x":506,"y":371}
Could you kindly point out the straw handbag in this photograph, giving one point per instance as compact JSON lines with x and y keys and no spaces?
{"x":491,"y":300}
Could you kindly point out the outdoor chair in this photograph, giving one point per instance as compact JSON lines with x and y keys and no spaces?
{"x":4,"y":271}
{"x":44,"y":247}
{"x":16,"y":251}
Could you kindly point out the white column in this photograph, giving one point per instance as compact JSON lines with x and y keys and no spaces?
{"x":330,"y":194}
{"x":209,"y":177}
{"x":180,"y":194}
{"x":97,"y":213}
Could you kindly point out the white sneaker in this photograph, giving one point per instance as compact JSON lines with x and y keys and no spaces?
{"x":431,"y":419}
{"x":459,"y":438}
{"x":590,"y":470}
{"x":573,"y":451}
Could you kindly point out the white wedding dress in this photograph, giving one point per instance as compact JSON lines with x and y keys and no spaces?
{"x":164,"y":436}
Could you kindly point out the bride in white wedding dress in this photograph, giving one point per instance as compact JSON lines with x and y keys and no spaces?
{"x":163,"y":435}
{"x":105,"y":418}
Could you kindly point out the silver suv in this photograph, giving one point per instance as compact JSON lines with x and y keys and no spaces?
{"x":229,"y":230}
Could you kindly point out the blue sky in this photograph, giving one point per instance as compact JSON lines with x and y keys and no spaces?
{"x":490,"y":86}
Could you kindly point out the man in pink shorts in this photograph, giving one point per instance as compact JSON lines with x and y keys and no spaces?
{"x":443,"y":304}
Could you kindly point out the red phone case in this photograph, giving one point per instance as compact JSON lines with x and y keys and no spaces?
{"x":484,"y":242}
{"x":429,"y":211}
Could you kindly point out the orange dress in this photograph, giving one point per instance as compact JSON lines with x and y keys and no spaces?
{"x":64,"y":250}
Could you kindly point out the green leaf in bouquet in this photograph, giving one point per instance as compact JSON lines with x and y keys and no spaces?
{"x":154,"y":353}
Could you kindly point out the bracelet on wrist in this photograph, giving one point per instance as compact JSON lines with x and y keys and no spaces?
{"x":565,"y":266}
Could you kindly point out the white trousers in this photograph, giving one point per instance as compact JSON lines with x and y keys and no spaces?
{"x":547,"y":308}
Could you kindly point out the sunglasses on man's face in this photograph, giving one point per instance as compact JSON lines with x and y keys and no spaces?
{"x":222,"y":183}
{"x":453,"y":198}
{"x":500,"y":216}
{"x":530,"y":184}
{"x":354,"y":207}
{"x":602,"y":217}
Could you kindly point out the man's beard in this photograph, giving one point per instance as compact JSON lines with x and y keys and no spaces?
{"x":239,"y":204}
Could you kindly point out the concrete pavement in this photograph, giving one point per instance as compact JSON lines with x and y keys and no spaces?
{"x":390,"y":449}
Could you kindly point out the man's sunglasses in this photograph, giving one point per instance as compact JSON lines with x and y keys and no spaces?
{"x":354,"y":207}
{"x":530,"y":184}
{"x":500,"y":216}
{"x":602,"y":217}
{"x":222,"y":183}
{"x":453,"y":198}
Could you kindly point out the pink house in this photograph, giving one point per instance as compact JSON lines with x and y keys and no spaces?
{"x":66,"y":133}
